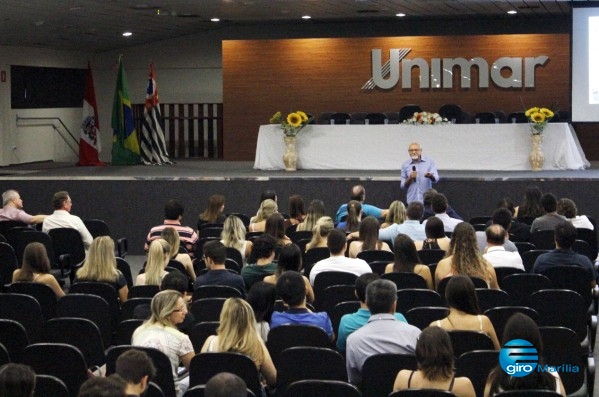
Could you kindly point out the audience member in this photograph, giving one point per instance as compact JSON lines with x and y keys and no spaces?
{"x":36,"y":268}
{"x":427,"y":200}
{"x":112,"y":386}
{"x":567,"y":208}
{"x":297,"y":214}
{"x":262,"y":262}
{"x":12,"y":209}
{"x":320,"y":233}
{"x":262,"y":297}
{"x":338,"y":262}
{"x":233,"y":236}
{"x":353,"y":321}
{"x":62,"y":218}
{"x":155,"y":269}
{"x":173,"y":215}
{"x":168,"y":310}
{"x":496,"y":253}
{"x":439,"y":206}
{"x":16,"y":380}
{"x":407,"y":260}
{"x":411,"y":226}
{"x":565,"y":235}
{"x":435,"y":236}
{"x":292,"y":290}
{"x":225,"y":384}
{"x":267,"y":208}
{"x":464,"y":258}
{"x":503,"y":218}
{"x":396,"y":214}
{"x":353,"y":218}
{"x":531,"y":204}
{"x":266,"y":195}
{"x":520,"y":326}
{"x":215,"y":255}
{"x":417,"y":174}
{"x":237,"y":333}
{"x":436,"y":369}
{"x":100,"y":265}
{"x":551,"y":217}
{"x":382,"y":334}
{"x":368,"y":238}
{"x":136,"y":368}
{"x":172,"y":238}
{"x":213,"y":214}
{"x":520,"y":231}
{"x":464,"y":311}
{"x":316,"y":210}
{"x":275,"y":227}
{"x":290,"y":259}
{"x":358,"y":193}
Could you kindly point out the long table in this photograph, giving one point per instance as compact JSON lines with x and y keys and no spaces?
{"x":452,"y":146}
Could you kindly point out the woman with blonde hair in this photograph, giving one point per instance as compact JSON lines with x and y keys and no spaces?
{"x":233,"y":236}
{"x":171,"y":236}
{"x":36,"y":268}
{"x":100,"y":265}
{"x":315,"y":212}
{"x":320,"y":232}
{"x":237,"y":333}
{"x":168,"y":310}
{"x":158,"y":257}
{"x":368,"y":238}
{"x":267,"y":208}
{"x":396,"y":214}
{"x":465,"y":258}
{"x":214,"y":211}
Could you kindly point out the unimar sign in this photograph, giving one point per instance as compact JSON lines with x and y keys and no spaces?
{"x":518,"y":72}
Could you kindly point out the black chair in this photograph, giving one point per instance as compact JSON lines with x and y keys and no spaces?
{"x":8,"y":263}
{"x":164,"y":371}
{"x":207,"y":309}
{"x":358,"y":117}
{"x":392,"y":117}
{"x":485,"y":117}
{"x":407,"y":112}
{"x":341,"y":309}
{"x":306,"y":362}
{"x":590,"y":236}
{"x":24,"y":309}
{"x":49,"y":386}
{"x":41,"y":292}
{"x":91,"y":307}
{"x":500,"y":315}
{"x":68,"y":246}
{"x":301,"y":235}
{"x":477,"y":281}
{"x":521,"y":286}
{"x":465,"y":341}
{"x":143,"y":291}
{"x":234,"y":254}
{"x":573,"y":277}
{"x":103,"y":290}
{"x":503,"y":272}
{"x":583,"y":248}
{"x":333,"y":295}
{"x":480,"y":219}
{"x":124,"y":331}
{"x":5,"y":226}
{"x":489,"y":298}
{"x":524,"y":246}
{"x":97,"y":228}
{"x":79,"y":332}
{"x":324,"y":118}
{"x":129,"y":306}
{"x":476,"y":366}
{"x":286,"y":336}
{"x":452,"y":113}
{"x":378,"y":267}
{"x":123,"y":266}
{"x":203,"y":366}
{"x":200,"y":332}
{"x":543,"y":239}
{"x":215,"y":291}
{"x":60,"y":360}
{"x":410,"y":298}
{"x":405,"y":280}
{"x":375,"y":118}
{"x":211,"y":231}
{"x":421,"y":317}
{"x":429,"y":256}
{"x":340,"y":118}
{"x":13,"y":337}
{"x":326,"y":279}
{"x":376,"y":255}
{"x":528,"y":393}
{"x":379,"y":372}
{"x":517,"y":117}
{"x":245,"y":219}
{"x":422,"y":393}
{"x":4,"y":356}
{"x":154,"y":390}
{"x":321,"y":388}
{"x":313,"y":255}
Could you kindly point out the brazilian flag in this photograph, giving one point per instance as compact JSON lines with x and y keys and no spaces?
{"x":125,"y":146}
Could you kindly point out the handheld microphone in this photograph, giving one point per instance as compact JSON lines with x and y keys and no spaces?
{"x":413,"y":168}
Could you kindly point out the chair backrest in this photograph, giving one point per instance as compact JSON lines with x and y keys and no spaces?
{"x":14,"y":338}
{"x":485,"y":117}
{"x":477,"y":281}
{"x":429,"y":256}
{"x":452,"y":112}
{"x":41,"y":292}
{"x":332,"y":295}
{"x":405,"y":280}
{"x":200,"y":332}
{"x":500,"y":315}
{"x":378,"y":267}
{"x":415,"y":297}
{"x":88,"y":306}
{"x":123,"y":266}
{"x":340,"y":118}
{"x":203,"y":366}
{"x":358,"y":117}
{"x":154,"y":390}
{"x":590,"y":236}
{"x":20,"y":240}
{"x":421,"y":317}
{"x":233,"y":253}
{"x":60,"y":360}
{"x":528,"y":393}
{"x":521,"y":286}
{"x":49,"y":386}
{"x":393,"y":117}
{"x":5,"y":226}
{"x":376,"y":118}
{"x":143,"y":291}
{"x":321,"y":388}
{"x":4,"y":356}
{"x":215,"y":291}
{"x":105,"y":291}
{"x":488,"y":298}
{"x":503,"y":272}
{"x":561,"y":308}
{"x":211,"y":231}
{"x":96,"y":227}
{"x":207,"y":309}
{"x":573,"y":277}
{"x":583,"y":248}
{"x":326,"y":279}
{"x":313,"y":255}
{"x":341,"y":309}
{"x":422,"y":393}
{"x":379,"y":372}
{"x":124,"y":331}
{"x":8,"y":263}
{"x":480,"y":219}
{"x":407,"y":111}
{"x":24,"y":309}
{"x":164,"y":371}
{"x":245,"y":219}
{"x":524,"y":246}
{"x":476,"y":366}
{"x":376,"y":255}
{"x":286,"y":336}
{"x":465,"y":341}
{"x":517,"y":117}
{"x":543,"y":239}
{"x":79,"y":332}
{"x":68,"y":241}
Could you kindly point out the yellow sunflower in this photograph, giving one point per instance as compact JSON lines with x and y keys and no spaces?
{"x":537,"y":117}
{"x":531,"y":111}
{"x":294,"y":120}
{"x":548,"y":113}
{"x":303,"y":115}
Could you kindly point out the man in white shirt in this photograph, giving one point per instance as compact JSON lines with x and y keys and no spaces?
{"x":439,"y":206}
{"x":62,"y":204}
{"x":338,"y":262}
{"x":496,"y":253}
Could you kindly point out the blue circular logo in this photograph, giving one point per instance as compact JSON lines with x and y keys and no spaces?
{"x":518,"y":358}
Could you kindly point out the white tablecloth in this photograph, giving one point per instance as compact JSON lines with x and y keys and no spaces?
{"x":452,"y":146}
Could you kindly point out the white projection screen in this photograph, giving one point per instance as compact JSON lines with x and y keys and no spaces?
{"x":585,"y":64}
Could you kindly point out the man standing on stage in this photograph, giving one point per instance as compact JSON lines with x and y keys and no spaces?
{"x":417,"y":174}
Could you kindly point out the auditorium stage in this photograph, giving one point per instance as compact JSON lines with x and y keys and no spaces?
{"x":131,"y":198}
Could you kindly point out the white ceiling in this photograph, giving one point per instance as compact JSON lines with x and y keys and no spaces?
{"x":97,"y":25}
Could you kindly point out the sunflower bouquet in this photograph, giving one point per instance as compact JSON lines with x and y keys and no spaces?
{"x":293,"y":123}
{"x":538,"y":118}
